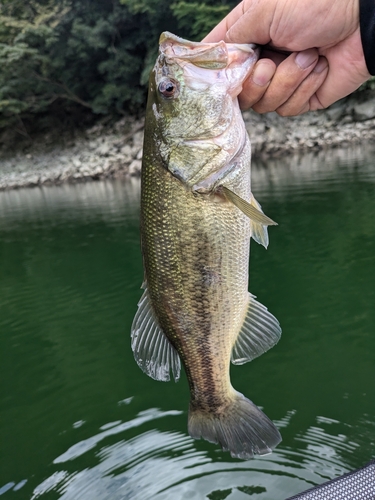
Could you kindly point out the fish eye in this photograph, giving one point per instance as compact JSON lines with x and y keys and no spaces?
{"x":169,"y":88}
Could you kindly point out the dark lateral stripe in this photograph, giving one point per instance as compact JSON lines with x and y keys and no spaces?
{"x":367,"y":27}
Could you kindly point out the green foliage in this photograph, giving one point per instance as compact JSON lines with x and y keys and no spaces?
{"x":198,"y":18}
{"x":96,"y":55}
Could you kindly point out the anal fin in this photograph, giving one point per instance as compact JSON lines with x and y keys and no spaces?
{"x":260,"y":331}
{"x":153,"y":352}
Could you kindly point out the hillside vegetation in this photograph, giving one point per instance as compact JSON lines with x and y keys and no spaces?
{"x":72,"y":60}
{"x":67,"y":63}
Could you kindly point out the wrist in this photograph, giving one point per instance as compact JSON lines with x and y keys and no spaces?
{"x":367,"y":28}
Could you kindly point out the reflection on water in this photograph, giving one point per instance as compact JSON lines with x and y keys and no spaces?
{"x":79,"y":420}
{"x":109,"y":430}
{"x":315,"y":171}
{"x":110,"y":200}
{"x":157,"y":464}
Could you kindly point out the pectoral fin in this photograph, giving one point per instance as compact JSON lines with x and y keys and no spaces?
{"x":259,"y":232}
{"x":248,"y":209}
{"x":153,"y":352}
{"x":259,"y":221}
{"x":260,"y":331}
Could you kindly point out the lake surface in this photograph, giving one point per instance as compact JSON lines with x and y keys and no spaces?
{"x":80,"y":421}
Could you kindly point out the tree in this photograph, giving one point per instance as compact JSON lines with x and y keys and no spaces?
{"x":87,"y":54}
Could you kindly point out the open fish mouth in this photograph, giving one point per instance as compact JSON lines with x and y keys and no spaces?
{"x":236,"y":59}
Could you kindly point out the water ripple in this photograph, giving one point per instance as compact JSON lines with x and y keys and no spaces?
{"x":164,"y":465}
{"x":83,"y":446}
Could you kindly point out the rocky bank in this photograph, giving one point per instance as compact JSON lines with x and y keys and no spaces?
{"x":116,"y":151}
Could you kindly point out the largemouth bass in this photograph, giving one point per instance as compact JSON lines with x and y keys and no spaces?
{"x":197,"y":216}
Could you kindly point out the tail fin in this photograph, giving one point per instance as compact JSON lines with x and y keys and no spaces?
{"x":242,"y":428}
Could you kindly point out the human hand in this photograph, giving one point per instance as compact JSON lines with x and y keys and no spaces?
{"x":313,"y":55}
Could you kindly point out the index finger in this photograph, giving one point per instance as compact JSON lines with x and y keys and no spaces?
{"x":248,"y":22}
{"x":220,"y":30}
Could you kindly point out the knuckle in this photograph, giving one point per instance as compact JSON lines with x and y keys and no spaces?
{"x":283,"y":111}
{"x":260,"y":108}
{"x":293,"y":110}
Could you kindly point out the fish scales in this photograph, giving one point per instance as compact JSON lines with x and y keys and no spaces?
{"x":196,"y":240}
{"x":196,"y":268}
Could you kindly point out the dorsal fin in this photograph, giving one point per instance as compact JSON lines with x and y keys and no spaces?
{"x":153,"y":352}
{"x":260,"y":331}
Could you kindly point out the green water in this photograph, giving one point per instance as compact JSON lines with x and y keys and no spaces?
{"x":80,"y":421}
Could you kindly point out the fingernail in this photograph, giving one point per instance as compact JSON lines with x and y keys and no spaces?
{"x":262,"y":74}
{"x":306,"y":58}
{"x":321,"y":66}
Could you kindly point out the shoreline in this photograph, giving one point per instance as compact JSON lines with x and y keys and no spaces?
{"x":116,"y":152}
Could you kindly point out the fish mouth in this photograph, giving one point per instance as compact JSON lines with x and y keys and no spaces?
{"x":236,"y":59}
{"x":186,"y":47}
{"x":203,"y":55}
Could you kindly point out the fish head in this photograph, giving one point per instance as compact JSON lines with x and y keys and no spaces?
{"x":193,"y":100}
